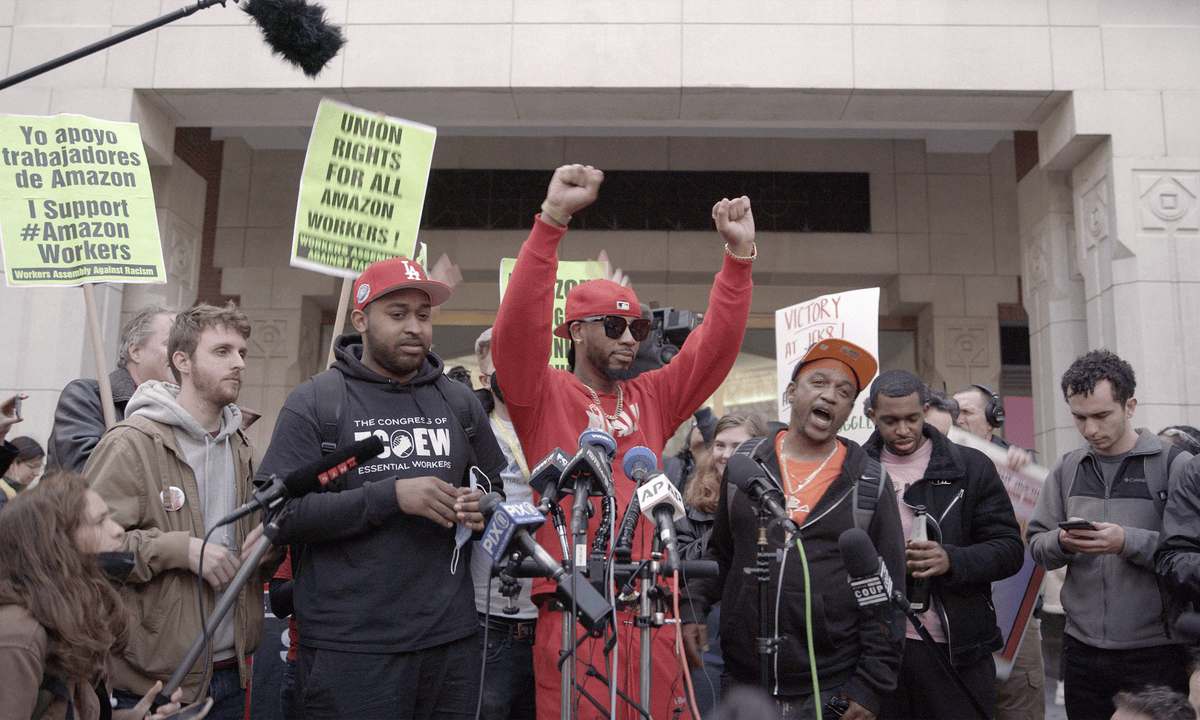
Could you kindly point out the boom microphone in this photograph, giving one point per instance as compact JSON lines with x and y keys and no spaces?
{"x":297,"y":31}
{"x":312,"y":477}
{"x":751,"y":479}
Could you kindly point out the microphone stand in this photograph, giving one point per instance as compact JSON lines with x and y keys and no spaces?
{"x":943,"y":659}
{"x":107,"y":43}
{"x":766,"y":645}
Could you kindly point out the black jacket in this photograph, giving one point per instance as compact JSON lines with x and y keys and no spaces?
{"x":368,"y":577}
{"x":972,"y":517}
{"x":854,"y":648}
{"x":79,"y":419}
{"x":692,"y":532}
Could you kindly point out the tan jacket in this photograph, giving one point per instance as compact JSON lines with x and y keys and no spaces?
{"x":22,"y":667}
{"x":131,"y":467}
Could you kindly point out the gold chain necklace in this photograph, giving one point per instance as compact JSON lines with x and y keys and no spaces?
{"x":596,"y":399}
{"x":793,"y":503}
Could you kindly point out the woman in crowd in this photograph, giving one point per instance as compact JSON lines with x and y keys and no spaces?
{"x":24,"y":468}
{"x":60,"y":618}
{"x":703,"y":491}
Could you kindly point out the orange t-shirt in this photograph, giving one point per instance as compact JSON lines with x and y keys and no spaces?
{"x":801,"y":500}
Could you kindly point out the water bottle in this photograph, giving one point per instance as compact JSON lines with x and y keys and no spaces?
{"x":918,"y":588}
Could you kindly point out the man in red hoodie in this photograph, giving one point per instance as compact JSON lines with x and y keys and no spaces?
{"x":550,"y":408}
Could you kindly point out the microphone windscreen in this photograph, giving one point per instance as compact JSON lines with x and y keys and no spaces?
{"x":317,"y":474}
{"x":740,"y":469}
{"x":638,"y":459}
{"x":297,"y":31}
{"x":592,"y":436}
{"x":488,"y":503}
{"x":858,"y":553}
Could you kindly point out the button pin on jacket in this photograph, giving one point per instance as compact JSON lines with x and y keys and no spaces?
{"x":172,"y":499}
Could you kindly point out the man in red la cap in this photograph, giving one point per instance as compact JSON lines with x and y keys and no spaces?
{"x":550,"y":408}
{"x":383,"y":596}
{"x":828,"y":485}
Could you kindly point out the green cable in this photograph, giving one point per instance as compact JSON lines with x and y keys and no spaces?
{"x":812,"y":656}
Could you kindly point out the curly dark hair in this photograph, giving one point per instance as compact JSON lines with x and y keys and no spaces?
{"x":1159,"y":702}
{"x":43,"y":570}
{"x":1094,"y":367}
{"x":895,"y":384}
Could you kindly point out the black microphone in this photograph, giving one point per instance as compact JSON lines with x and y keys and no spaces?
{"x":592,"y":462}
{"x":751,"y":479}
{"x":868,"y":575}
{"x":310,"y":478}
{"x":639,"y":462}
{"x":297,"y":31}
{"x":546,"y":476}
{"x":508,"y":525}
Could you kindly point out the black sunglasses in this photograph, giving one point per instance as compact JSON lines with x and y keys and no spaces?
{"x":614,"y":326}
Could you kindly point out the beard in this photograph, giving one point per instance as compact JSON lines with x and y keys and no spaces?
{"x":391,"y":359}
{"x":214,"y":389}
{"x":607,"y":367}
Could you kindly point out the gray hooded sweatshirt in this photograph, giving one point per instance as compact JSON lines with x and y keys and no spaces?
{"x":211,"y":460}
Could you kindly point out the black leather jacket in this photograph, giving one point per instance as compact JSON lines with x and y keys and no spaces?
{"x":79,"y":419}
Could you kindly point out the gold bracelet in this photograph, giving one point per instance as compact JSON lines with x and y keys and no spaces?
{"x":753,"y":252}
{"x":555,"y":214}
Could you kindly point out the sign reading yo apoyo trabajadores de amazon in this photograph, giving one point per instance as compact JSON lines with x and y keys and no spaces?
{"x":362,"y":190}
{"x":76,"y":203}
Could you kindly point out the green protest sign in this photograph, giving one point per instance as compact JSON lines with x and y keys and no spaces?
{"x":570,"y":274}
{"x":76,"y":203}
{"x":362,"y":190}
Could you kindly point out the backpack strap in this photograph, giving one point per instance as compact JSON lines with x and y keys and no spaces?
{"x":457,"y":402}
{"x":867,"y":492}
{"x":329,"y":399}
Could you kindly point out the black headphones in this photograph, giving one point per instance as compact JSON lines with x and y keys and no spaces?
{"x":994,"y":412}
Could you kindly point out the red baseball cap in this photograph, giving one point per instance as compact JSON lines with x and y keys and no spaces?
{"x":384,"y":276}
{"x":598,"y":297}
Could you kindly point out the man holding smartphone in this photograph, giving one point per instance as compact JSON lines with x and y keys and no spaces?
{"x":1115,"y":636}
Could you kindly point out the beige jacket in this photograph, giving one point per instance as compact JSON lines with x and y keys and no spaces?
{"x":135,"y":462}
{"x":22,"y":666}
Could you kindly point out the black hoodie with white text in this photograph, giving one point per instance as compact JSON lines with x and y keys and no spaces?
{"x":368,"y":577}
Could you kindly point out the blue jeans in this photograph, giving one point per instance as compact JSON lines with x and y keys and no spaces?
{"x":508,"y":686}
{"x":225,"y":688}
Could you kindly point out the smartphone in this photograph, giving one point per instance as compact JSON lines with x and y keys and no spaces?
{"x":17,"y":406}
{"x":1077,"y":525}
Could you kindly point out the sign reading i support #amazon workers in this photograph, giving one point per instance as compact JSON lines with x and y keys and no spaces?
{"x":76,"y":203}
{"x":361,"y":191}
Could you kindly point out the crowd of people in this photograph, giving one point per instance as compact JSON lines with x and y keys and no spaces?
{"x":111,"y":565}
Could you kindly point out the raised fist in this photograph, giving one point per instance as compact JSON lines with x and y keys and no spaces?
{"x":735,"y":222}
{"x":574,"y":187}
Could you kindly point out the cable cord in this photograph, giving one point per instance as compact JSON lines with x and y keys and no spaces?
{"x":679,"y":653}
{"x":207,"y":674}
{"x":812,"y":655}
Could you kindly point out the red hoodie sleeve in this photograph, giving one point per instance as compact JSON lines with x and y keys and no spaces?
{"x":708,"y":354}
{"x":522,"y":340}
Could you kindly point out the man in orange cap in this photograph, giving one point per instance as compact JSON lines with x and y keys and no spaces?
{"x":828,"y":485}
{"x":550,"y":408}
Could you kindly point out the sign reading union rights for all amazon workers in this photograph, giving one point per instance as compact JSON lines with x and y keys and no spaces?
{"x":362,"y":190}
{"x":76,"y":204}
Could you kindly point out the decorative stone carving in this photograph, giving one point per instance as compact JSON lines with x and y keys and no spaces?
{"x":268,"y":339}
{"x":1036,"y":261}
{"x":1167,"y":201}
{"x":1095,"y":214}
{"x":966,"y":346}
{"x":180,"y":243}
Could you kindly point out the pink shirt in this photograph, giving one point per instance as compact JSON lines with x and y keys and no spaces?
{"x":904,"y":471}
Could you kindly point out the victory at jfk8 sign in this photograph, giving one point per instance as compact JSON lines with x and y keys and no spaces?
{"x":76,"y":203}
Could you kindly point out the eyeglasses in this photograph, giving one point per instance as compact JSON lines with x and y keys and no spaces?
{"x":614,"y":326}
